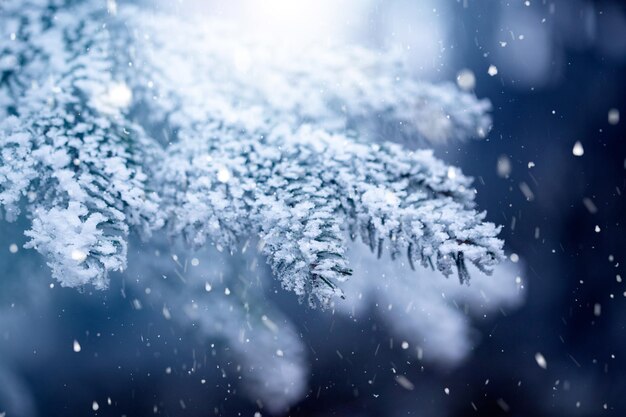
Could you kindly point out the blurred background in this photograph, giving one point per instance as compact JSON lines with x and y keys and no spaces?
{"x":544,"y":336}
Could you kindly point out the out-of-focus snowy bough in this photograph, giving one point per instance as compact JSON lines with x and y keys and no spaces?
{"x":15,"y":397}
{"x":432,"y":315}
{"x":22,"y":296}
{"x":220,"y":297}
{"x":217,"y":299}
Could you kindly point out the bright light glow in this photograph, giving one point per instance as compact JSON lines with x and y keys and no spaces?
{"x":242,"y":59}
{"x":112,"y":7}
{"x":288,"y":22}
{"x":419,"y":28}
{"x":293,"y":21}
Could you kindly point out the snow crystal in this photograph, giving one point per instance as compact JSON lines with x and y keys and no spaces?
{"x":613,"y":116}
{"x":466,"y":79}
{"x":541,"y":360}
{"x":404,"y":382}
{"x":578,"y":150}
{"x":590,"y":205}
{"x":526,"y":190}
{"x":504,"y":166}
{"x":166,"y":313}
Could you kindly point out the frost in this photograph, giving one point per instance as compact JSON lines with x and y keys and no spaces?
{"x":597,"y":309}
{"x":220,"y":139}
{"x":81,"y":213}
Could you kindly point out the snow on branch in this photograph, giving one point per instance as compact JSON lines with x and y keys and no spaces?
{"x":68,"y":151}
{"x":142,"y":120}
{"x":303,"y":199}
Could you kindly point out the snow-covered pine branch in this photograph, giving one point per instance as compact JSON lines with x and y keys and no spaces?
{"x":79,"y":164}
{"x":253,"y":158}
{"x":253,"y":142}
{"x":301,"y":190}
